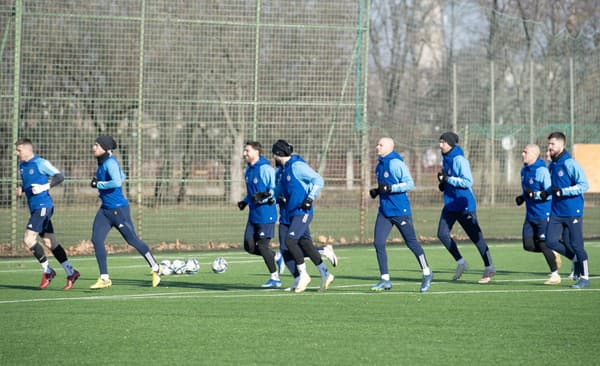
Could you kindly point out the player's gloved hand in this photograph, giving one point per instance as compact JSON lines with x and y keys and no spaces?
{"x":544,"y":195}
{"x":384,"y":188}
{"x":39,"y":188}
{"x":442,"y":176}
{"x":94,"y":183}
{"x":270,"y":201}
{"x":519,"y":200}
{"x":441,"y":187}
{"x":306,"y":204}
{"x":242,"y":205}
{"x":258,"y":197}
{"x":281,"y":201}
{"x":529,"y":193}
{"x":557,"y":191}
{"x":374,"y":192}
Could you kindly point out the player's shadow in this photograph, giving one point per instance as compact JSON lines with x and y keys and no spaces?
{"x":179,"y":282}
{"x":20,"y":287}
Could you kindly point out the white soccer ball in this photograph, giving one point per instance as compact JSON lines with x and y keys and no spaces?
{"x":178,"y":266}
{"x":219,"y":265}
{"x":192,"y":266}
{"x":165,"y":268}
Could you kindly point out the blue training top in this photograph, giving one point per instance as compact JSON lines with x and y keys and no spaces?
{"x":110,"y":179}
{"x":260,"y":177}
{"x":298,"y":182}
{"x":458,"y":195}
{"x":392,"y":170}
{"x":36,"y":171}
{"x":536,"y":178}
{"x":568,"y":175}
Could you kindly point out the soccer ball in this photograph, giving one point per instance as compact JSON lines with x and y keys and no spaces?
{"x":192,"y":266}
{"x":219,"y":265}
{"x":165,"y":268}
{"x":178,"y":266}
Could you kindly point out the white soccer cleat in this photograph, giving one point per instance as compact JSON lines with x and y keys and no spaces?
{"x":294,"y":285}
{"x":330,"y":255}
{"x":553,"y":280}
{"x":326,"y":281}
{"x":302,"y":283}
{"x":460,"y":269}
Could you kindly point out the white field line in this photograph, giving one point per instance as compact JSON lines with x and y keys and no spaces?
{"x":275,"y":293}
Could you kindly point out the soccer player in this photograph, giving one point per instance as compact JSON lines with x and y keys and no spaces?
{"x":568,"y":185}
{"x":35,"y":173}
{"x":456,"y":181}
{"x":393,"y":183}
{"x":260,"y":228}
{"x":535,"y":179}
{"x":296,"y":190}
{"x":114,"y":212}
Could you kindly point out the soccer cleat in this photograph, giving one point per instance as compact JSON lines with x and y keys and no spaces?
{"x":487,"y":275}
{"x":553,"y":280}
{"x":155,"y":278}
{"x":330,"y":255}
{"x":581,"y":283}
{"x":326,"y":281}
{"x":71,"y":280}
{"x":460,"y":269}
{"x":382,"y":285}
{"x":271,"y":283}
{"x":101,"y":283}
{"x":280,"y":262}
{"x":47,"y":278}
{"x":426,"y":282}
{"x":558,"y":259}
{"x":302,"y":283}
{"x":294,"y":285}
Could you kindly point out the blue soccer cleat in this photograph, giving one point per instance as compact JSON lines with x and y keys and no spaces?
{"x":426,"y":282}
{"x":382,"y":285}
{"x":271,"y":284}
{"x":581,"y":283}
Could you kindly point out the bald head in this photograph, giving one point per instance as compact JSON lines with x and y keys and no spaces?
{"x":530,"y":154}
{"x":384,"y":146}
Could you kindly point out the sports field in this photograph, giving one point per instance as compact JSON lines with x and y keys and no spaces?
{"x":225,"y":319}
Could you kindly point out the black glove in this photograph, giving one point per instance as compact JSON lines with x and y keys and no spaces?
{"x":260,"y":196}
{"x":384,"y":188}
{"x":544,"y":195}
{"x":242,"y":205}
{"x":442,"y":176}
{"x":441,"y":187}
{"x":281,"y":201}
{"x":529,"y":193}
{"x":94,"y":183}
{"x":271,"y":201}
{"x":306,"y":204}
{"x":519,"y":200}
{"x":374,"y":192}
{"x":557,"y":191}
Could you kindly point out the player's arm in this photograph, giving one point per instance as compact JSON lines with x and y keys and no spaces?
{"x":399,"y":170}
{"x":312,"y":180}
{"x":575,"y":171}
{"x":267,"y":176}
{"x":50,"y":170}
{"x":463,"y":177}
{"x":116,"y":176}
{"x":542,"y":175}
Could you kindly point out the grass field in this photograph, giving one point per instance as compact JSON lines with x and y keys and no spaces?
{"x":225,"y":319}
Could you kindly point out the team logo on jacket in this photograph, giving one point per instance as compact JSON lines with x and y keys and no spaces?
{"x":386,"y":174}
{"x":30,"y":171}
{"x":255,"y":180}
{"x":560,"y":173}
{"x":530,"y":180}
{"x":288,"y":178}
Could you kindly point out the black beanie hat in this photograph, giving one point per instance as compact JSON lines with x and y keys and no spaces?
{"x":282,"y":148}
{"x":450,"y":137}
{"x":106,"y":142}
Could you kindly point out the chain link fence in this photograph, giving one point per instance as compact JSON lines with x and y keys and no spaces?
{"x":181,"y":85}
